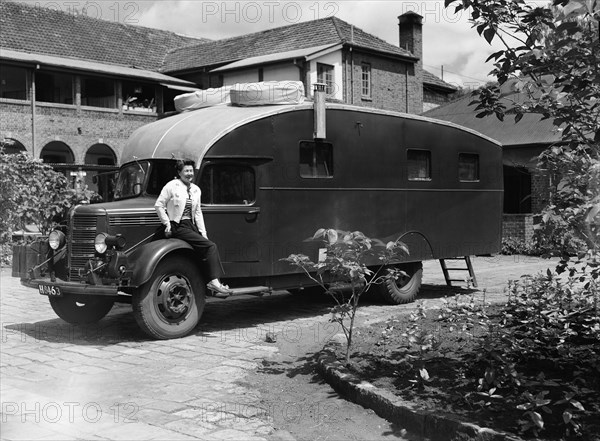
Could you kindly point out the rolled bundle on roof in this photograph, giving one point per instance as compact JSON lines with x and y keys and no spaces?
{"x":267,"y":93}
{"x":202,"y":98}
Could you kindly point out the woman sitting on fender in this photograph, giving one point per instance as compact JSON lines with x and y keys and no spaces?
{"x":178,"y":208}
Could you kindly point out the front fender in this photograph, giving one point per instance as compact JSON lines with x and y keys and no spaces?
{"x":145,"y":258}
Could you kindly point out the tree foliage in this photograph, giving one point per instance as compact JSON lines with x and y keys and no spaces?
{"x":553,"y":52}
{"x":32,"y":193}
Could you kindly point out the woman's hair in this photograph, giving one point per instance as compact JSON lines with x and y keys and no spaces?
{"x":180,"y":163}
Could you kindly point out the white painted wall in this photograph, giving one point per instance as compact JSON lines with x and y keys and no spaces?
{"x":279,"y":72}
{"x":289,"y":72}
{"x":333,"y":59}
{"x":242,"y":76}
{"x":282,"y":72}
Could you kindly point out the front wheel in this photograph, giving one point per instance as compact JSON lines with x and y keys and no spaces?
{"x":171,"y":303}
{"x":80,"y":310}
{"x":402,"y":289}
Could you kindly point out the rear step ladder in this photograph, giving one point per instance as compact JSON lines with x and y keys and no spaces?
{"x":446,"y":270}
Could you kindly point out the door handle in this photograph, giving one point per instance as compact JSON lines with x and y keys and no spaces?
{"x":252,"y":214}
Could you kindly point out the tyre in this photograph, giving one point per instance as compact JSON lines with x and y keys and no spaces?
{"x":80,"y":310}
{"x":171,"y":303}
{"x":402,"y":289}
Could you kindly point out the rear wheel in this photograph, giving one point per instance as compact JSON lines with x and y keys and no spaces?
{"x":403,"y":288}
{"x":171,"y":303}
{"x":80,"y":310}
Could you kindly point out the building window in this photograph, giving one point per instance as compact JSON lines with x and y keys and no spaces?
{"x":13,"y":82}
{"x":228,"y":184}
{"x":366,"y":80}
{"x":54,"y":87}
{"x":98,"y":92}
{"x":325,"y":76}
{"x":418,"y":165}
{"x":138,"y":97}
{"x":316,"y":159}
{"x":468,"y":167}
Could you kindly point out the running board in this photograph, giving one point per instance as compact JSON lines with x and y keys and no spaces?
{"x":247,"y":290}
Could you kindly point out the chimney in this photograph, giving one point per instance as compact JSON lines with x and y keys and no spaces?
{"x":411,"y":34}
{"x":319,"y":111}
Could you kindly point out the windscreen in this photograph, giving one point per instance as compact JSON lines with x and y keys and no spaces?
{"x":130,"y":181}
{"x":147,"y":176}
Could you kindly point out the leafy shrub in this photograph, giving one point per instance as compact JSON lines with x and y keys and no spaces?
{"x":511,"y":246}
{"x":540,"y":354}
{"x":554,"y":237}
{"x":32,"y":193}
{"x":548,"y":240}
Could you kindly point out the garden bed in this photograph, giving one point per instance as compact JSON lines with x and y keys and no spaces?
{"x":452,"y":361}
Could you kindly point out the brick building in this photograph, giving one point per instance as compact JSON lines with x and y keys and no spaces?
{"x":73,"y":88}
{"x":526,"y":187}
{"x":357,"y":67}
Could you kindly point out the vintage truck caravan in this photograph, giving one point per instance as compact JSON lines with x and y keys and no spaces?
{"x":270,"y":177}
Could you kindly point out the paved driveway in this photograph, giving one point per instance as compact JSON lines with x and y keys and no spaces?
{"x":109,"y":381}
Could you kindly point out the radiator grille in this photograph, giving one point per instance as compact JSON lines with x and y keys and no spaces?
{"x":134,"y":220}
{"x":81,"y":243}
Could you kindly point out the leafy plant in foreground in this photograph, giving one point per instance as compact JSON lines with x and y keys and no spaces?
{"x":540,"y":353}
{"x":348,"y":261}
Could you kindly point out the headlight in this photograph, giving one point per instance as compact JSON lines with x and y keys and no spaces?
{"x":100,"y":243}
{"x":56,"y":239}
{"x":103,"y":241}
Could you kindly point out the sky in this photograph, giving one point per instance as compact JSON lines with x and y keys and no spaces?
{"x":449,"y":41}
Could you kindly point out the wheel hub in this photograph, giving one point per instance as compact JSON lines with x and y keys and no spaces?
{"x":174,"y":297}
{"x":401,"y":280}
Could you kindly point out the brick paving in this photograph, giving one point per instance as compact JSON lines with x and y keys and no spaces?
{"x":109,"y":381}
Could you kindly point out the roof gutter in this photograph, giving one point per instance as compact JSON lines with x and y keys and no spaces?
{"x":385,"y":54}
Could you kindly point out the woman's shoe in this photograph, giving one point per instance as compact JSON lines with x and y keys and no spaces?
{"x":218,"y":287}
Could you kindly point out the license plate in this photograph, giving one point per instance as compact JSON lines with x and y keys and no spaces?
{"x":49,"y":290}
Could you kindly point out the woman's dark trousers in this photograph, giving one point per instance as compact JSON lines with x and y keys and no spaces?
{"x":205,"y":249}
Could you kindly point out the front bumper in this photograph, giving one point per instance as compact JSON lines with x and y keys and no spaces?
{"x":72,"y":287}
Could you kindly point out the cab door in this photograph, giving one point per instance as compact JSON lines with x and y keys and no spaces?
{"x":232,"y":212}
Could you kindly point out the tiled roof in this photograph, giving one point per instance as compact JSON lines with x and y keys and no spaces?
{"x":530,"y":130}
{"x":432,"y":80}
{"x":94,"y":66}
{"x":41,"y":30}
{"x":324,"y":31}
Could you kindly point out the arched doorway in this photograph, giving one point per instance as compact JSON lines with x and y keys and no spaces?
{"x":517,"y":190}
{"x":58,"y":154}
{"x":11,"y":146}
{"x":100,"y":164}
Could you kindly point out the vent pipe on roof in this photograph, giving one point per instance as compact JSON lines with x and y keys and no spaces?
{"x":319,"y":111}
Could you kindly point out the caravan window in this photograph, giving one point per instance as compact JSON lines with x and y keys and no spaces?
{"x":227,"y":184}
{"x":316,"y":159}
{"x":468,"y":167}
{"x":418,"y":164}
